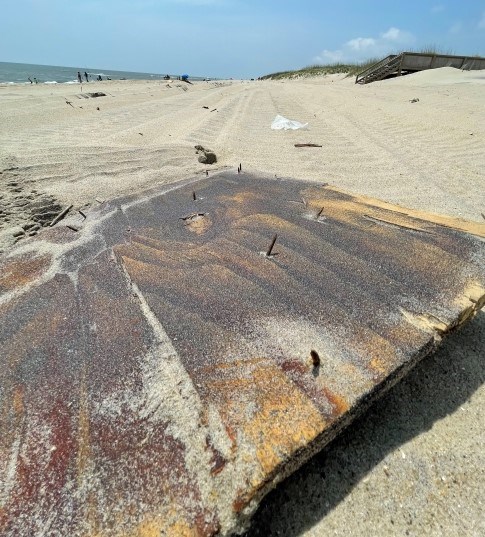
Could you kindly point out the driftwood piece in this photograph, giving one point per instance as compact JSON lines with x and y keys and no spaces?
{"x":61,"y":215}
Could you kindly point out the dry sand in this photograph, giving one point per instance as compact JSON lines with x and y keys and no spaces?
{"x":415,"y":463}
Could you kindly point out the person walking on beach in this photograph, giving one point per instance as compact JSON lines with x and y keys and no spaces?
{"x":29,"y":79}
{"x":86,"y":75}
{"x":79,"y":78}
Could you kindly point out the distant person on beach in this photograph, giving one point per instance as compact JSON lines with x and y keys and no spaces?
{"x":100,"y":79}
{"x":28,"y":78}
{"x":79,"y":78}
{"x":86,"y":76}
{"x":35,"y":80}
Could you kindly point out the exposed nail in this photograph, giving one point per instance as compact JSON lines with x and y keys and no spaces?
{"x":315,"y":358}
{"x":320,"y":212}
{"x":270,"y":249}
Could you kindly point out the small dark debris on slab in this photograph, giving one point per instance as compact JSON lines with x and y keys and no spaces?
{"x":307,"y":145}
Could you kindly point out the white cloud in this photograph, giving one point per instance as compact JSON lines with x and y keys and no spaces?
{"x":361,"y":43}
{"x":438,"y":8}
{"x":362,"y":48}
{"x":394,"y":34}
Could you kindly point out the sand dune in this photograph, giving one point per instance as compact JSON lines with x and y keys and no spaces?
{"x":428,"y":155}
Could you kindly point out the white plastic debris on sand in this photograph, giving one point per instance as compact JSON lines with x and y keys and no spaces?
{"x":281,"y":123}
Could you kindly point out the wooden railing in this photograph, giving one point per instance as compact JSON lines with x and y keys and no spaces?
{"x":376,"y":68}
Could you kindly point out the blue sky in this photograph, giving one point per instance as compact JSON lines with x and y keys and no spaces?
{"x":231,"y":38}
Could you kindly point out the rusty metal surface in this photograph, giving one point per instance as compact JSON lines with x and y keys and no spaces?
{"x":160,"y":372}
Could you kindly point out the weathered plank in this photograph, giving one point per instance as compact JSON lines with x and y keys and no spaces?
{"x":160,"y":371}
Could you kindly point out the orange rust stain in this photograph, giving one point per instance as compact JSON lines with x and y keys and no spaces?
{"x":377,"y":349}
{"x":282,"y":419}
{"x":255,"y":265}
{"x":339,"y":404}
{"x":240,"y":503}
{"x":148,"y":252}
{"x":181,"y":529}
{"x":240,"y":197}
{"x":378,"y":365}
{"x":18,"y":400}
{"x":271,"y":221}
{"x":233,"y":213}
{"x":155,"y":528}
{"x":232,"y":435}
{"x":285,"y":419}
{"x":22,"y":270}
{"x":148,"y":529}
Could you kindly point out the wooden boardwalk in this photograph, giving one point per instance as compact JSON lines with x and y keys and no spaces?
{"x":412,"y":62}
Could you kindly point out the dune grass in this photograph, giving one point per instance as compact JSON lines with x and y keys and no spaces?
{"x":350,"y":69}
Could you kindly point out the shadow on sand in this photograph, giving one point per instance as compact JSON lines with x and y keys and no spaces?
{"x":437,"y":387}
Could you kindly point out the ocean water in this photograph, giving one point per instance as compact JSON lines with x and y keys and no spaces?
{"x":19,"y":73}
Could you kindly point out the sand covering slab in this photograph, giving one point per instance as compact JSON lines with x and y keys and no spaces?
{"x":161,"y":372}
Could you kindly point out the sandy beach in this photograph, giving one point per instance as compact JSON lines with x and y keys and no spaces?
{"x":414,"y":463}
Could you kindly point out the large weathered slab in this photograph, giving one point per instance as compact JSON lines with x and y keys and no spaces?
{"x":160,"y":372}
